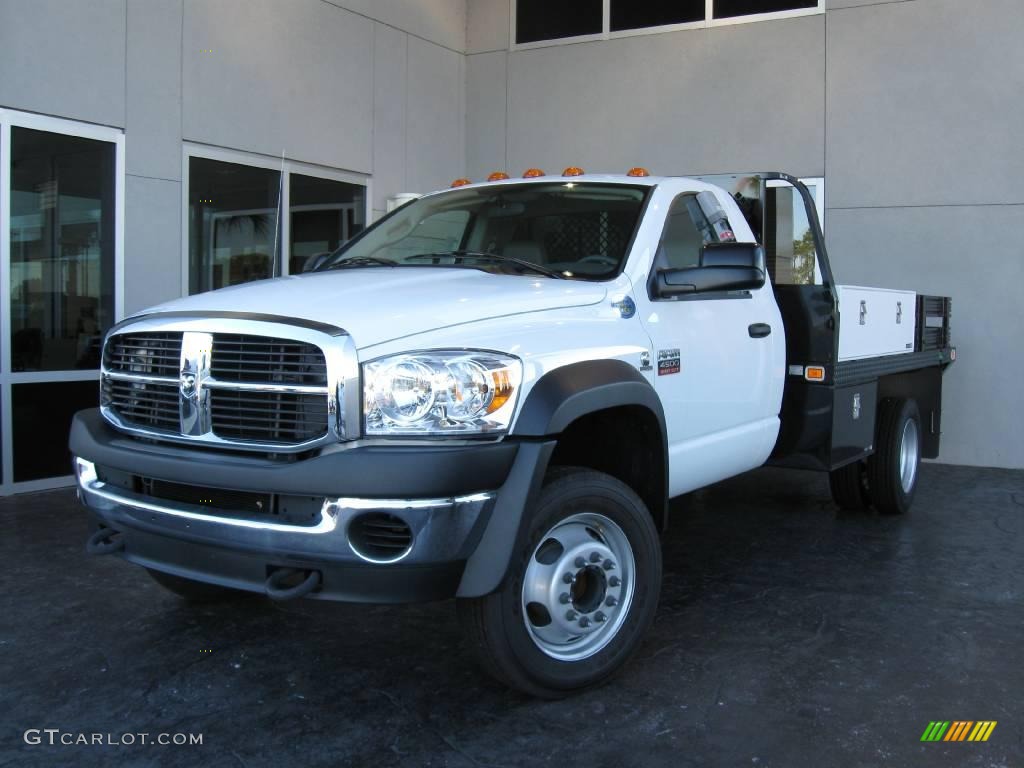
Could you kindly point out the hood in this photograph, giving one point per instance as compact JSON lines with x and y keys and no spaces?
{"x":381,"y":304}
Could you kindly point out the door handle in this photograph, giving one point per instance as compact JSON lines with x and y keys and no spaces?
{"x":759,"y":330}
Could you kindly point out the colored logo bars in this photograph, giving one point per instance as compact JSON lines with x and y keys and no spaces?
{"x":958,"y":730}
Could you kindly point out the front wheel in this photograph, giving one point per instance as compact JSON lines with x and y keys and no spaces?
{"x":581,"y":590}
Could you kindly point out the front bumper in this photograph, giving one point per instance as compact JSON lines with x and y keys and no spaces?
{"x":446,"y":496}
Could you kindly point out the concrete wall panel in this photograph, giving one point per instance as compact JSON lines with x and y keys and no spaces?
{"x":293,"y":77}
{"x":963,"y":252}
{"x":152,"y":242}
{"x":64,"y":58}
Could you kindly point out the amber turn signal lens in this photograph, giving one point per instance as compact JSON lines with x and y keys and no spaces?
{"x":572,"y":170}
{"x":497,"y":176}
{"x":503,"y":389}
{"x":637,"y":172}
{"x":533,"y":173}
{"x":814,"y":373}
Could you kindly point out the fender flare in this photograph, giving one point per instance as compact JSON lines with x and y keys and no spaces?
{"x":557,"y":399}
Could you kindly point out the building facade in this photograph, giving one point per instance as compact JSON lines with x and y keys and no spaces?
{"x":147,"y":146}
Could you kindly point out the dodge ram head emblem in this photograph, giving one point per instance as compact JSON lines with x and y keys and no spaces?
{"x":187,"y":384}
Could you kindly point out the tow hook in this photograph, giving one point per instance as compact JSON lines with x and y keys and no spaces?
{"x":105,"y":541}
{"x":291,"y":583}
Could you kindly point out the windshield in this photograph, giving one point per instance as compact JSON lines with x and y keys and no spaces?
{"x":563,"y":229}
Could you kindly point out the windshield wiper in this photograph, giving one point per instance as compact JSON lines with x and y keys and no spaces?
{"x":361,"y":261}
{"x":496,"y":257}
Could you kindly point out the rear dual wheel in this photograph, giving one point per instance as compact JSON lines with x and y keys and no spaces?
{"x":581,"y":591}
{"x":888,"y":479}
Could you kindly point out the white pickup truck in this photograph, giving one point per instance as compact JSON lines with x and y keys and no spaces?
{"x":492,"y":393}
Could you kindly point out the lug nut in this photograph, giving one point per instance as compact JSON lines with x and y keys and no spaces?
{"x":580,"y":562}
{"x":611,"y":601}
{"x":563,"y":598}
{"x":567,"y":578}
{"x":584,"y":621}
{"x":570,"y":615}
{"x":609,"y":565}
{"x":595,"y":557}
{"x":614,"y":581}
{"x":599,"y":617}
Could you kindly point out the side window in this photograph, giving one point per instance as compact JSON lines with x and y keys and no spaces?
{"x":693,"y":220}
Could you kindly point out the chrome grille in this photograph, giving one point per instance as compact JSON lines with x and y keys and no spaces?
{"x":176,"y":380}
{"x":237,"y":357}
{"x":155,"y":354}
{"x":278,"y":416}
{"x":145,"y":404}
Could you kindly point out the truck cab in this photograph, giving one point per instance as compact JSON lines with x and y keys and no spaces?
{"x":492,"y":394}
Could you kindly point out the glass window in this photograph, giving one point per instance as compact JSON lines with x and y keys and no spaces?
{"x":41,"y":422}
{"x":232,"y":223}
{"x":324,"y":214}
{"x":544,"y":20}
{"x":579,"y":230}
{"x":725,"y":9}
{"x":631,"y":14}
{"x":62,"y":243}
{"x":788,"y":241}
{"x":692,"y":221}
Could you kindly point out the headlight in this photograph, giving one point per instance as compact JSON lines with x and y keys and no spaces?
{"x":440,"y":393}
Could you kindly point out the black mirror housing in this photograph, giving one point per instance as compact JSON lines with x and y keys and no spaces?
{"x":678,"y":282}
{"x":723,"y":267}
{"x":732,"y":255}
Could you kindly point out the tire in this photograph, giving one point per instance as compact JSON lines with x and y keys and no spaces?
{"x":594,"y":530}
{"x":849,"y":486}
{"x":893,"y":469}
{"x":195,"y":591}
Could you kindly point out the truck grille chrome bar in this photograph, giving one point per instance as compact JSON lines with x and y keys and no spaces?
{"x":235,"y":383}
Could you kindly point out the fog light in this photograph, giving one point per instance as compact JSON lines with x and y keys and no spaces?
{"x":85,"y":471}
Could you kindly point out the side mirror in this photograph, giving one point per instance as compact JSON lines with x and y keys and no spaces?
{"x":723,"y":267}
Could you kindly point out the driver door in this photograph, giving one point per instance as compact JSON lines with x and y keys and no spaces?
{"x":717,"y":372}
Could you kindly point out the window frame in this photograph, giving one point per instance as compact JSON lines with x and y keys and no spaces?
{"x":9,"y":119}
{"x":708,"y":22}
{"x":254,"y":160}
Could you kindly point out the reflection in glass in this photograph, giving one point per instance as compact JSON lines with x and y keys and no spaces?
{"x":324,"y":214}
{"x":62,"y":249}
{"x":788,"y":240}
{"x":232,"y":223}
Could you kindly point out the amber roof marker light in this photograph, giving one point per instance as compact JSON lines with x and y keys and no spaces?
{"x":533,"y":173}
{"x":637,"y":171}
{"x":498,"y":176}
{"x":461,"y":182}
{"x":573,"y":170}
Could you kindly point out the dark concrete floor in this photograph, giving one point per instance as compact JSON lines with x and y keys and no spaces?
{"x":788,"y":635}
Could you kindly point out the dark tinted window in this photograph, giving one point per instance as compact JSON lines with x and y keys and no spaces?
{"x":62,"y":249}
{"x":41,"y":422}
{"x":324,"y":214}
{"x":726,"y":8}
{"x":631,"y":14}
{"x":546,"y":20}
{"x":232,"y":223}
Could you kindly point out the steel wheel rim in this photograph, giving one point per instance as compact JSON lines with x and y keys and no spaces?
{"x":578,"y":587}
{"x":909,"y":445}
